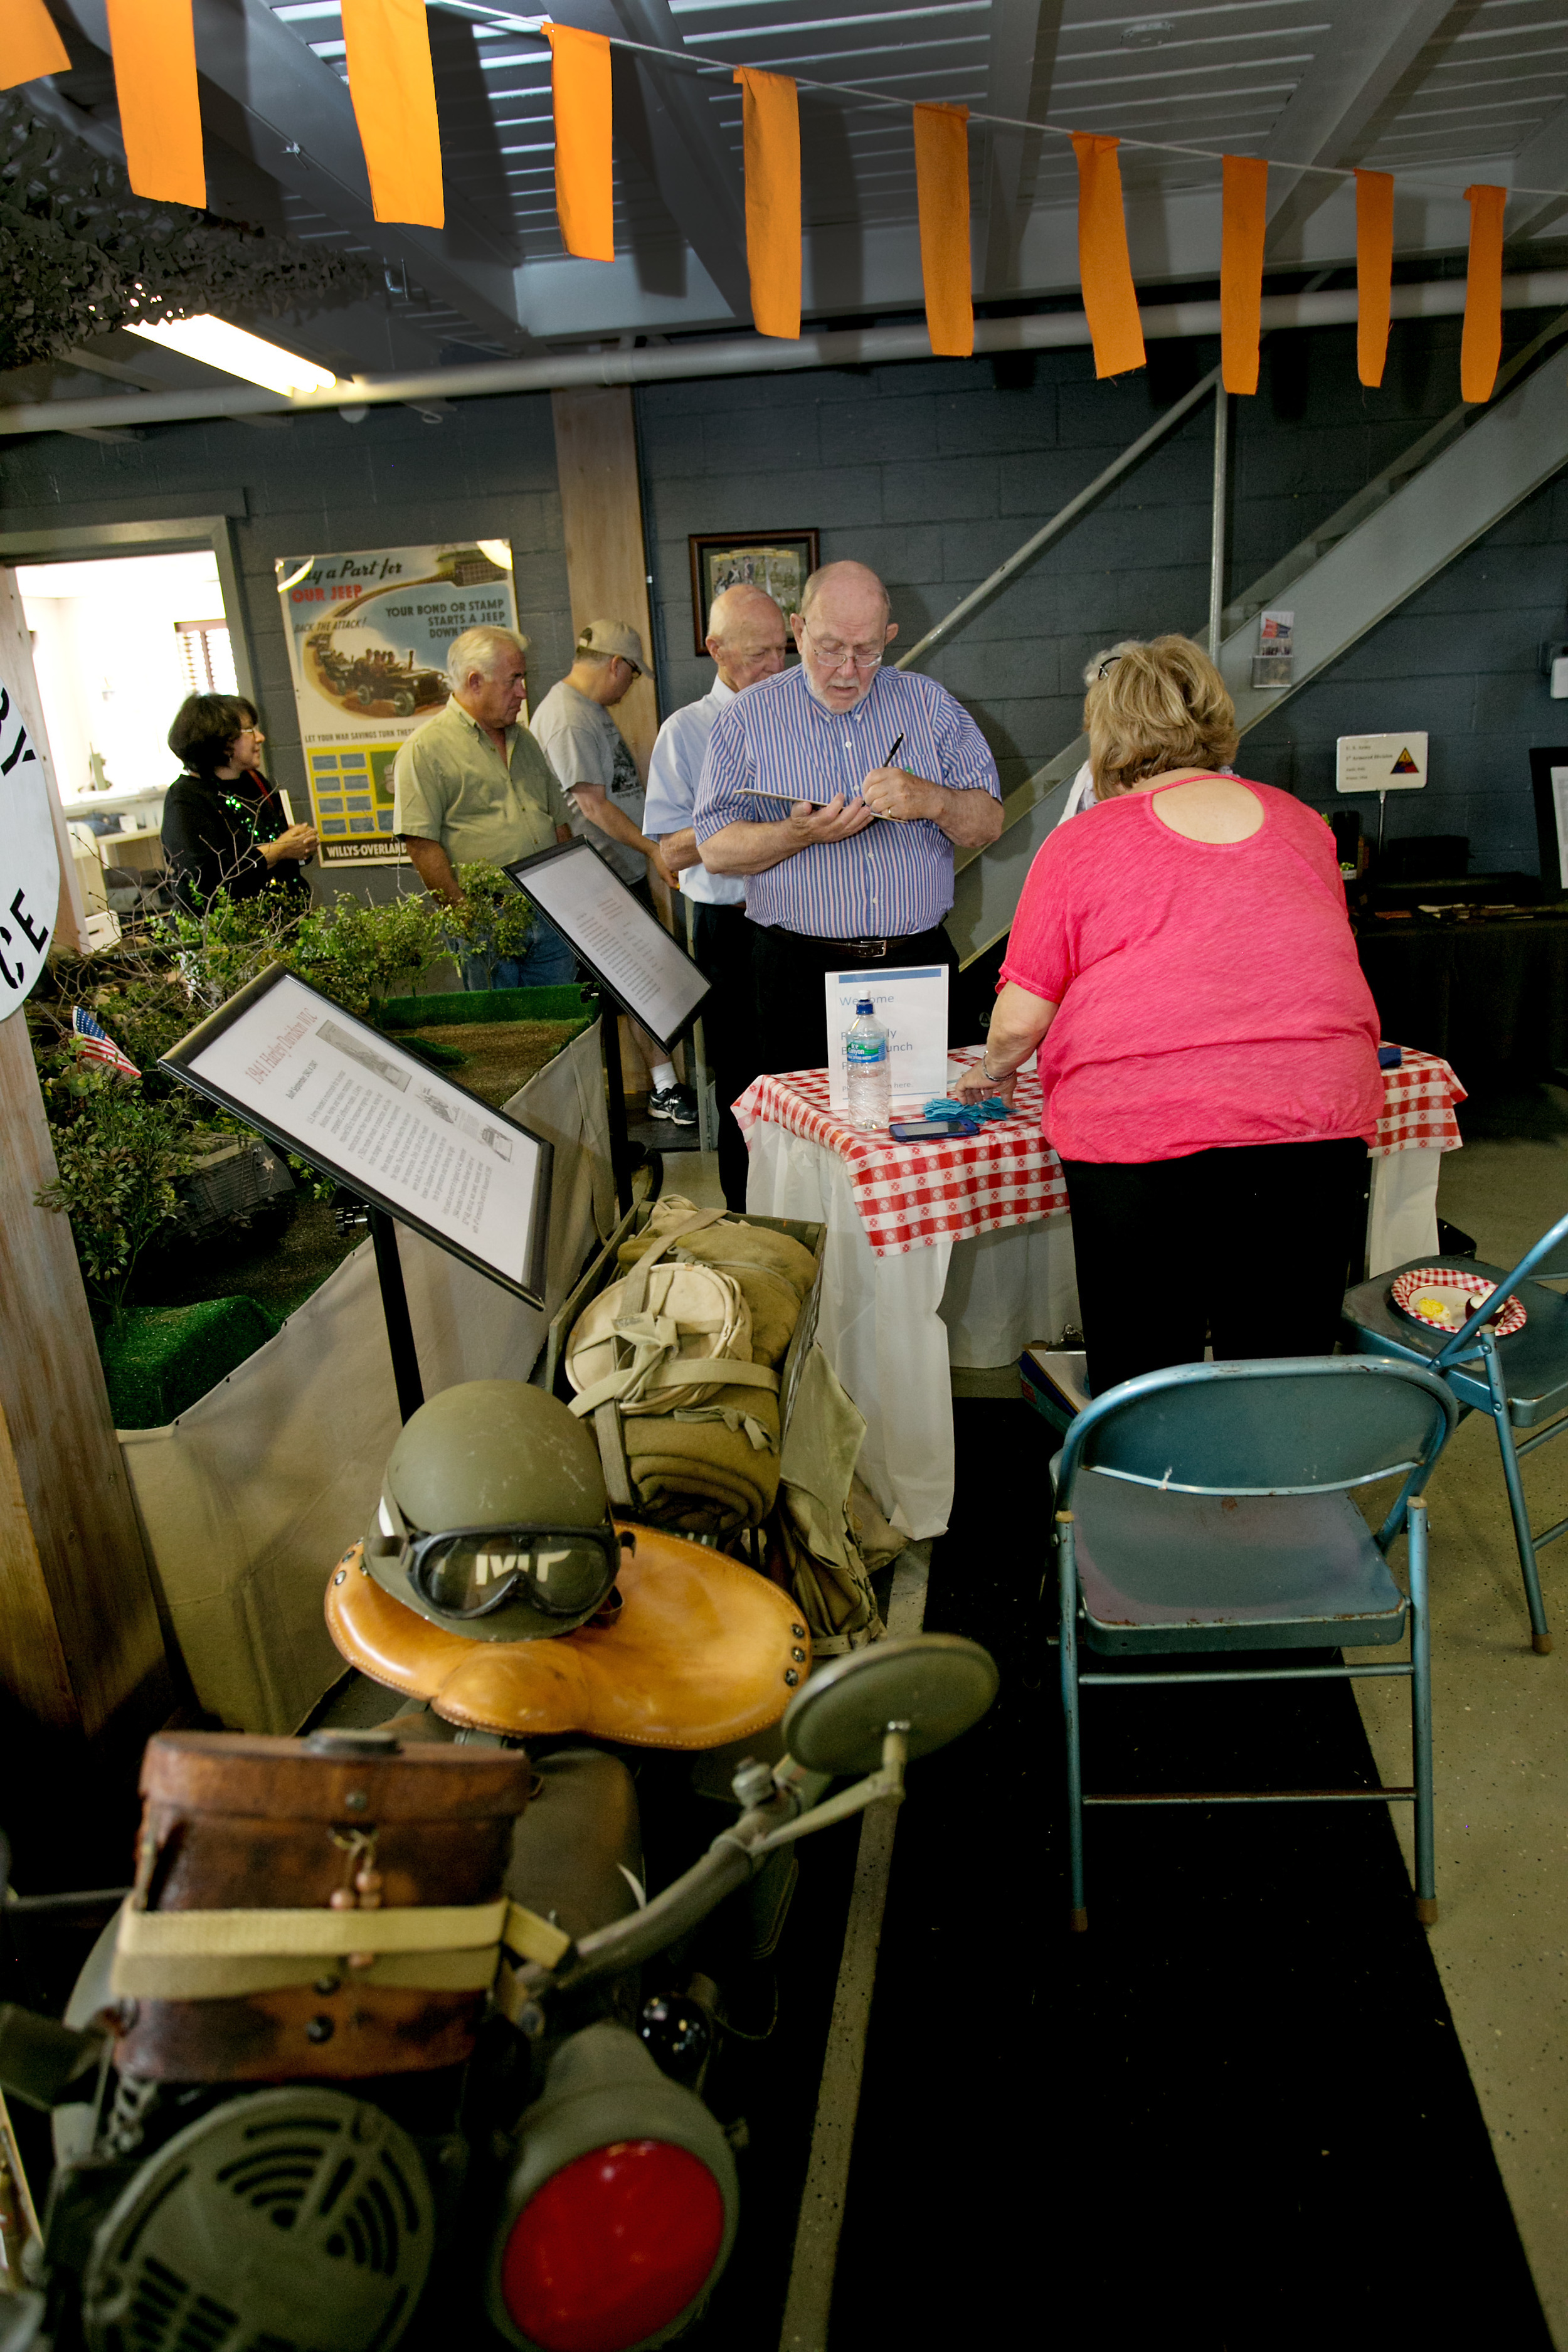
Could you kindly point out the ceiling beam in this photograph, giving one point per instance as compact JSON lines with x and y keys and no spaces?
{"x":1328,"y":115}
{"x":1020,"y":65}
{"x":285,"y":109}
{"x":667,"y":115}
{"x":1545,"y":160}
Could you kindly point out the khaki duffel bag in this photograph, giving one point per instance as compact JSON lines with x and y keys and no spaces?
{"x":775,"y":1273}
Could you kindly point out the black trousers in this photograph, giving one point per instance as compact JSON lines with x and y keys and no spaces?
{"x":1249,"y":1247}
{"x":723,"y":941}
{"x":792,"y":1008}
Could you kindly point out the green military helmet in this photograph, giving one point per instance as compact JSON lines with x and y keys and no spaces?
{"x":493,"y":1519}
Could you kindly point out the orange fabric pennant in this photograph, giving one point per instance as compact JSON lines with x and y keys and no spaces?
{"x":1374,"y":272}
{"x":1241,"y":270}
{"x":771,"y":107}
{"x":392,"y":85}
{"x":1103,"y":267}
{"x":160,"y":112}
{"x":30,"y":46}
{"x":1481,"y":346}
{"x":942,"y":177}
{"x":585,"y":195}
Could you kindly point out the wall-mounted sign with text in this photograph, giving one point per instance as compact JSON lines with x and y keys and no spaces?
{"x":367,"y":642}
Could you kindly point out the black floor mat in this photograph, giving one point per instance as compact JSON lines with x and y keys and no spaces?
{"x":1235,"y":2113}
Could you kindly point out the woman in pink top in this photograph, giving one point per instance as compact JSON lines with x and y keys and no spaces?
{"x":1182,"y":959}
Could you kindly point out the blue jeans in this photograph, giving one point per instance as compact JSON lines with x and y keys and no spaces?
{"x":549,"y":963}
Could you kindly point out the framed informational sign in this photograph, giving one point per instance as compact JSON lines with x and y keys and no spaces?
{"x":911,"y":1005}
{"x":1549,"y":780}
{"x":368,"y":635}
{"x":627,"y":949}
{"x":363,"y":1109}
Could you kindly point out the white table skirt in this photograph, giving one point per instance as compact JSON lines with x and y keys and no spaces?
{"x":892,"y":1326}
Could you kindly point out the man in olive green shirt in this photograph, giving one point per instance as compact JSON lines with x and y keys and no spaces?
{"x":472,"y":784}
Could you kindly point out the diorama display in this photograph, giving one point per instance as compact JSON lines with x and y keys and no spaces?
{"x":195,"y":1236}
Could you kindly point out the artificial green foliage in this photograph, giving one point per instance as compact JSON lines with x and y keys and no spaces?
{"x":359,"y":955}
{"x":118,"y":1155}
{"x":81,"y":253}
{"x":157,"y":1360}
{"x":214,"y":952}
{"x":492,"y":923}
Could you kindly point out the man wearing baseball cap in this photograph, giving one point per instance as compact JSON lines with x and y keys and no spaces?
{"x":573,"y":728}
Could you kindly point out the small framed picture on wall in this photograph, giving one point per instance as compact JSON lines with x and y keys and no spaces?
{"x":779,"y":561}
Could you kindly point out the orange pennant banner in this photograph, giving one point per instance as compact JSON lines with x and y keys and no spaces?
{"x":1374,"y":272}
{"x":1103,"y":267}
{"x":771,"y":107}
{"x":392,"y":85}
{"x":941,"y":178}
{"x":1481,"y":347}
{"x":30,"y":46}
{"x":1241,"y":270}
{"x":585,"y":190}
{"x":160,"y":112}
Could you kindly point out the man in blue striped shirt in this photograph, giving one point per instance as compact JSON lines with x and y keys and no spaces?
{"x":847,"y":858}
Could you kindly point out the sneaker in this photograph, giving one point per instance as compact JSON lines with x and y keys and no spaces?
{"x":676,"y":1103}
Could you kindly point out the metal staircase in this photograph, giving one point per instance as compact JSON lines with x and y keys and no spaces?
{"x":1437,"y":497}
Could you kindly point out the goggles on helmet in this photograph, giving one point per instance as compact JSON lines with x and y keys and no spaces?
{"x":473,"y":1572}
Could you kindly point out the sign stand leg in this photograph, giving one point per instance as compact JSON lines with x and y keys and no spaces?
{"x":395,"y":1307}
{"x":620,"y":1142}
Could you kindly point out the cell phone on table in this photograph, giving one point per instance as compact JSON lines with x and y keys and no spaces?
{"x":924,"y":1131}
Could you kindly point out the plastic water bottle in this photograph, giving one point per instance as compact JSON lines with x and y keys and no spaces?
{"x":870,"y":1077}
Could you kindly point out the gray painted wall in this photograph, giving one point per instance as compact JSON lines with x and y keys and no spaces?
{"x":934,"y":471}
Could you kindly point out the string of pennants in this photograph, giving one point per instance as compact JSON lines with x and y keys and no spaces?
{"x":393,"y":87}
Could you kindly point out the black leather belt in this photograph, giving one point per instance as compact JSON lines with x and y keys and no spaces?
{"x":871,"y":951}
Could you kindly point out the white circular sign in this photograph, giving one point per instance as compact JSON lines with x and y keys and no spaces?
{"x":30,"y":861}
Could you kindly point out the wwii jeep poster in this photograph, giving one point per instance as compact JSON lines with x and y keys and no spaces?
{"x":368,"y":635}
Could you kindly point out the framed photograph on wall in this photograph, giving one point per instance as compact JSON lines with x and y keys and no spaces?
{"x":780,"y":562}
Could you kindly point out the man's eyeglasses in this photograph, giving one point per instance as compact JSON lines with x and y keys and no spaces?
{"x":841,"y":656}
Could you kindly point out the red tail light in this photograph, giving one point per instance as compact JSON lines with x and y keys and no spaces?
{"x":613,"y":2247}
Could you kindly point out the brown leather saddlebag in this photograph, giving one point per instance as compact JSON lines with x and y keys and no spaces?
{"x":326,"y":1907}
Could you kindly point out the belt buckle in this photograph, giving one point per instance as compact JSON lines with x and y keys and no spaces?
{"x":869,"y":946}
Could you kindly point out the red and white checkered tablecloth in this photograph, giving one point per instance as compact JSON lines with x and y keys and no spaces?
{"x":910,"y":1194}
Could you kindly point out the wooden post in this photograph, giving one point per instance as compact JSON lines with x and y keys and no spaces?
{"x":606,"y":576}
{"x":81,"y":1646}
{"x":601,"y":514}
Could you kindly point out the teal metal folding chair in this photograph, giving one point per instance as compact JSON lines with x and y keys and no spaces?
{"x":1521,"y":1381}
{"x":1207,"y":1509}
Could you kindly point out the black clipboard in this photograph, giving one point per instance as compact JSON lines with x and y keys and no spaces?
{"x":196,"y":1061}
{"x":619,"y":907}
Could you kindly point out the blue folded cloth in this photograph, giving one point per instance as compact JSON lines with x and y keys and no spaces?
{"x":1390,"y":1057}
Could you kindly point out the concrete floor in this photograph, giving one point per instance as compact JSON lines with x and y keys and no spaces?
{"x":1500,"y":1736}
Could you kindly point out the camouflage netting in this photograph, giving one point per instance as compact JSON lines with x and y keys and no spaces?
{"x":81,"y":254}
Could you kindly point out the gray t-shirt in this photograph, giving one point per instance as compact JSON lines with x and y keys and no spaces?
{"x":584,"y":746}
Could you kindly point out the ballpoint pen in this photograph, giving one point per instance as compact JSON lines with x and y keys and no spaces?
{"x":893,"y":747}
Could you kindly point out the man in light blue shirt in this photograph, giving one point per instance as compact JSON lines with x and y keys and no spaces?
{"x":746,"y":639}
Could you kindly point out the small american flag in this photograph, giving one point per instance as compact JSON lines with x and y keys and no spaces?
{"x":95,"y":1045}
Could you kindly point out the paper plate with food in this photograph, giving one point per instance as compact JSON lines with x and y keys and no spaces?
{"x":1443,"y":1297}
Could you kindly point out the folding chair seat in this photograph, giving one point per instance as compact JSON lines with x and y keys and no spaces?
{"x":1521,"y":1382}
{"x":1206,"y":1509}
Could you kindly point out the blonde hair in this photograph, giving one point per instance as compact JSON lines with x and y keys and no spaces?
{"x":1153,"y":707}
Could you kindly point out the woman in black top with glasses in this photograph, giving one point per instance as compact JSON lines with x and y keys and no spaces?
{"x":225,"y":826}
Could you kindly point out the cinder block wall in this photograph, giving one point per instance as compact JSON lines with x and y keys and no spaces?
{"x":934,"y":471}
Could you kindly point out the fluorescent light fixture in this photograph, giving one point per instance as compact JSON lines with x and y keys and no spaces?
{"x":218,"y":345}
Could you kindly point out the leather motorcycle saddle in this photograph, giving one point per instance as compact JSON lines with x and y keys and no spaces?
{"x":702,"y":1651}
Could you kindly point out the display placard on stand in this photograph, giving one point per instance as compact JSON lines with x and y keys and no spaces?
{"x":636,"y":963}
{"x":367,"y":1112}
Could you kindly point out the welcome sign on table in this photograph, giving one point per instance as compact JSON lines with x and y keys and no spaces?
{"x":911,"y":1006}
